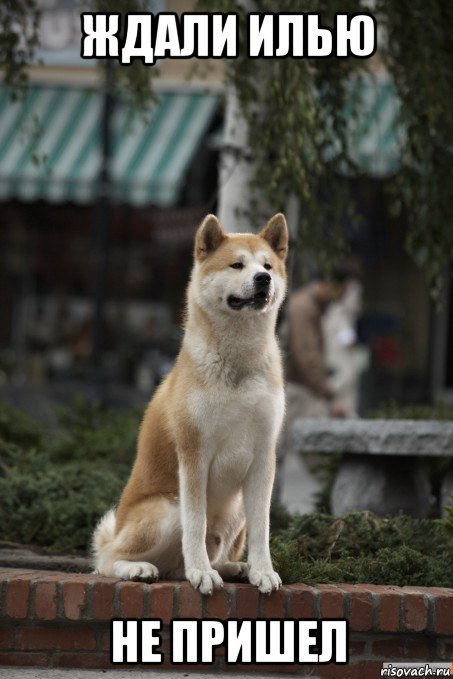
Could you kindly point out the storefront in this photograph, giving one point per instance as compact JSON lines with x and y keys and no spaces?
{"x":163,"y":178}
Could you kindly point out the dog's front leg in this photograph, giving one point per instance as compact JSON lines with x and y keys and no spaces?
{"x":193,"y":486}
{"x":257,"y":500}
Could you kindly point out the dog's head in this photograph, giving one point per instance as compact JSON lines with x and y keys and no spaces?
{"x":240,"y":273}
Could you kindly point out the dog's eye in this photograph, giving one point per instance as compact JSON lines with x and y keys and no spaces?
{"x":268,"y":267}
{"x":237,"y":265}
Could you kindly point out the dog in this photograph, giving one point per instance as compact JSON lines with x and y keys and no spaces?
{"x":205,"y":463}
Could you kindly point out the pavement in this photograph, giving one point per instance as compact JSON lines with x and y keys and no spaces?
{"x":72,"y":673}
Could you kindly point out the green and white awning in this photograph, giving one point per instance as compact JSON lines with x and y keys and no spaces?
{"x":50,"y":145}
{"x":50,"y":142}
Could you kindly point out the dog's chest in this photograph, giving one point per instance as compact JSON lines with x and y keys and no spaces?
{"x":223,"y":412}
{"x":234,"y":423}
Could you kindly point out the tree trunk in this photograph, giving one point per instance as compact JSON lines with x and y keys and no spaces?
{"x":236,"y":168}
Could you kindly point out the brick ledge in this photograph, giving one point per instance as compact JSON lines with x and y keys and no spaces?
{"x":50,"y":618}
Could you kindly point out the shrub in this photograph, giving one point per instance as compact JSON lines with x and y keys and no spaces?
{"x":361,"y":547}
{"x":53,"y":506}
{"x":54,"y":488}
{"x":16,"y":427}
{"x":95,"y":434}
{"x":391,"y":410}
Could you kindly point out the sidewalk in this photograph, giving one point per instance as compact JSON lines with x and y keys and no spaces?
{"x":33,"y":673}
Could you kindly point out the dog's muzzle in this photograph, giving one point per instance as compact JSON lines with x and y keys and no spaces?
{"x":260,"y":298}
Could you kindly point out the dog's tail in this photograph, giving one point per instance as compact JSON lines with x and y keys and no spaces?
{"x":102,"y":542}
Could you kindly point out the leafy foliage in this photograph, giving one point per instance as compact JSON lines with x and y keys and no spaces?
{"x":419,"y":55}
{"x":392,"y":410}
{"x":449,"y":521}
{"x":363,"y":548}
{"x":54,"y":488}
{"x":95,"y":434}
{"x":17,"y":428}
{"x":19,"y":20}
{"x":19,"y":40}
{"x":296,"y":113}
{"x":134,"y":83}
{"x":325,"y":467}
{"x":55,"y":506}
{"x":297,"y":121}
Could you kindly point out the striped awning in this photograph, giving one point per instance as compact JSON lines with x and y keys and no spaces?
{"x":50,"y":145}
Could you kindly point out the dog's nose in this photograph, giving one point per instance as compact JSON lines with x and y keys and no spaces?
{"x":262,"y":279}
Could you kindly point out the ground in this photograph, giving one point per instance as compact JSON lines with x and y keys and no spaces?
{"x":33,"y":673}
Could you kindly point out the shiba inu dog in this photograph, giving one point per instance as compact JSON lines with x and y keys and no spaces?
{"x":205,"y":462}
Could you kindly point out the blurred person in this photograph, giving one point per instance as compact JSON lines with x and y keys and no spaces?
{"x":309,"y":391}
{"x":346,"y":359}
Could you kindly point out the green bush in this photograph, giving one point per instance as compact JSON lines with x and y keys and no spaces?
{"x":15,"y":427}
{"x":92,"y":433}
{"x":391,"y":410}
{"x":54,"y":487}
{"x":361,"y":547}
{"x":54,"y":506}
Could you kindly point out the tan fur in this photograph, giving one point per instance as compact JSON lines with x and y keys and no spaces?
{"x":206,"y":449}
{"x":238,"y":546}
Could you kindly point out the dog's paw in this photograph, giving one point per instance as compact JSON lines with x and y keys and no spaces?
{"x":135,"y":570}
{"x":237,"y":570}
{"x":266,"y":581}
{"x":204,"y":580}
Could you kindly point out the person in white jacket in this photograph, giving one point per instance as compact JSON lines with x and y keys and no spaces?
{"x":346,"y":359}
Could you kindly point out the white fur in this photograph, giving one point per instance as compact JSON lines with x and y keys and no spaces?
{"x":135,"y":570}
{"x":212,"y":291}
{"x":166,"y":553}
{"x":239,"y":415}
{"x":103,"y":537}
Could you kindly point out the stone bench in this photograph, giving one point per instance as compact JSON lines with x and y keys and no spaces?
{"x":381,"y":468}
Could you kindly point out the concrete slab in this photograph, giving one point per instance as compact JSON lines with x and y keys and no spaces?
{"x":374,"y":437}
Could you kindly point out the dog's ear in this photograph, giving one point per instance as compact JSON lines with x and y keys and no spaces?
{"x":208,"y":238}
{"x":276,"y":234}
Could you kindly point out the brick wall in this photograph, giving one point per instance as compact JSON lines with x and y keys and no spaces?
{"x":52,"y":619}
